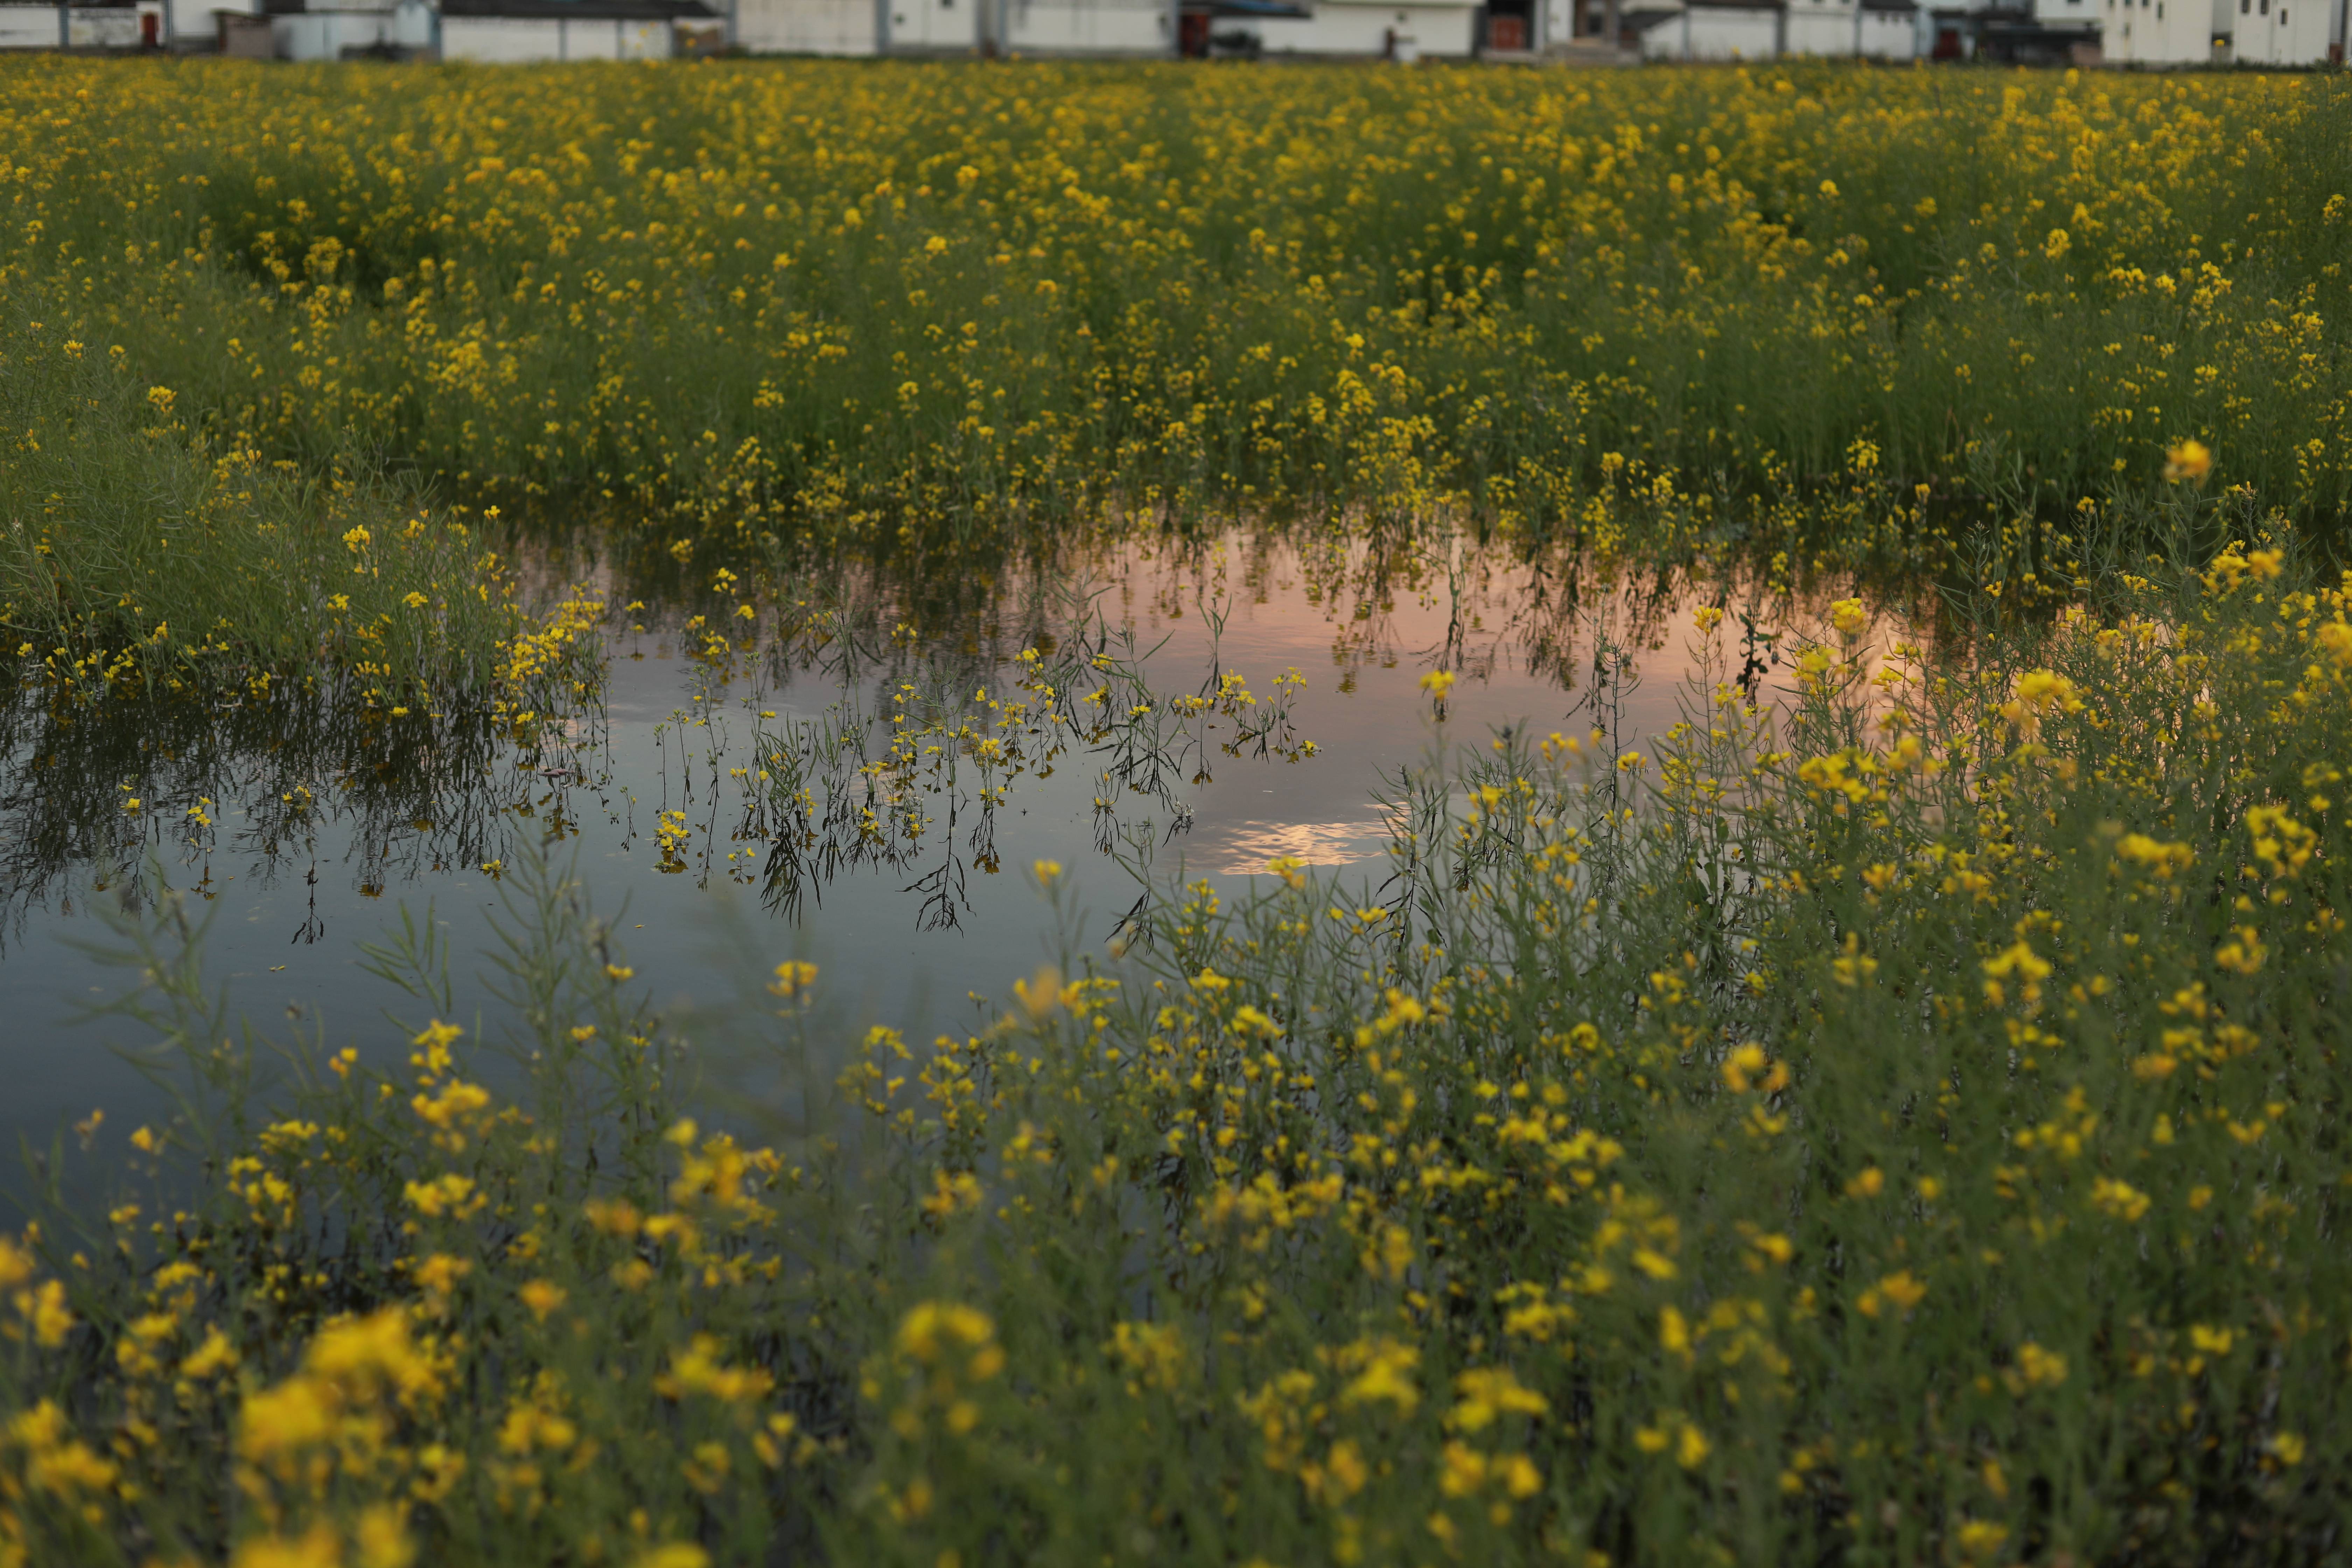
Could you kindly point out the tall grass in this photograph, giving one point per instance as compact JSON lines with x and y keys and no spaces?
{"x":139,"y":555}
{"x":1898,"y":1128}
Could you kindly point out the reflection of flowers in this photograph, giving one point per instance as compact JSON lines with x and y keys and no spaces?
{"x":1253,"y":843}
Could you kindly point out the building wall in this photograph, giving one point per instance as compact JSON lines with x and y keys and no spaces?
{"x":518,"y":40}
{"x":2281,"y":32}
{"x":2077,"y":14}
{"x":934,"y":24}
{"x":1088,"y":26}
{"x":328,"y":35}
{"x":1890,"y":36}
{"x":28,"y":28}
{"x":1714,"y":33}
{"x":2159,"y":32}
{"x":808,"y":26}
{"x":191,"y":21}
{"x":1820,"y":30}
{"x":1340,"y":29}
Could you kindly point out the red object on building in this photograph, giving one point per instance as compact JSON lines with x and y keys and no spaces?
{"x":1507,"y":33}
{"x":151,"y":31}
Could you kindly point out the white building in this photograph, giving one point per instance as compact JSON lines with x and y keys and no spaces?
{"x":2282,"y":31}
{"x":1872,"y":30}
{"x":345,"y":29}
{"x":519,"y":32}
{"x":1711,"y":30}
{"x":2164,"y":32}
{"x":74,"y":27}
{"x":817,"y":27}
{"x":1083,"y":26}
{"x":953,"y":27}
{"x":1446,"y":29}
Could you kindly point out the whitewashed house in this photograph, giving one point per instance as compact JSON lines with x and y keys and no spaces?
{"x":1448,"y":29}
{"x":2164,"y":32}
{"x":1871,"y":29}
{"x":1712,"y":30}
{"x":813,"y":26}
{"x":2284,"y":32}
{"x":1086,"y":27}
{"x":519,"y":32}
{"x":76,"y":27}
{"x":188,"y":24}
{"x":345,"y":29}
{"x":32,"y":26}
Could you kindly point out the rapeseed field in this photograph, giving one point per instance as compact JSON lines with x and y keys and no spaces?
{"x":1899,"y":1124}
{"x":922,"y":307}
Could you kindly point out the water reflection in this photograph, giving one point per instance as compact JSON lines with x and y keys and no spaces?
{"x":268,"y":789}
{"x":841,"y":767}
{"x":788,"y":734}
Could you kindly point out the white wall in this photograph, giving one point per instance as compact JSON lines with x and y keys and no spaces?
{"x":326,"y":35}
{"x":520,"y":40}
{"x":1338,"y":28}
{"x":108,"y":29}
{"x":934,"y":24}
{"x":1817,"y":29}
{"x":2161,"y":32}
{"x":191,"y":21}
{"x":1891,"y":35}
{"x":2281,"y":32}
{"x":1106,"y":27}
{"x":1714,"y":33}
{"x":28,"y":28}
{"x":806,"y":26}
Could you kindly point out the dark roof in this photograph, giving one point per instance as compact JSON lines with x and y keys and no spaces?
{"x":584,"y":10}
{"x":1904,"y":6}
{"x":1251,"y":10}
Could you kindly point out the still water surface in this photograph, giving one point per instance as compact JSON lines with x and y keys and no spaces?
{"x":720,"y":801}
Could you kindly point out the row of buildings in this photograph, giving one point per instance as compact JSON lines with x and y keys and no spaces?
{"x":2165,"y":33}
{"x":2124,"y":32}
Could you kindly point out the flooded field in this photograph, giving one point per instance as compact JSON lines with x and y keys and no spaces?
{"x":831,"y":785}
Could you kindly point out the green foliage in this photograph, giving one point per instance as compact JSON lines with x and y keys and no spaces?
{"x":137,"y":559}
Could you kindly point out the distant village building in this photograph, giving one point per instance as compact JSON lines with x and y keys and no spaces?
{"x":349,"y":29}
{"x":2165,"y":32}
{"x":518,"y":32}
{"x":1087,"y":27}
{"x":2130,"y":33}
{"x":77,"y":28}
{"x":1446,"y":29}
{"x":814,"y":26}
{"x":1712,"y":30}
{"x":2222,"y":32}
{"x":1769,"y":29}
{"x":2286,"y":32}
